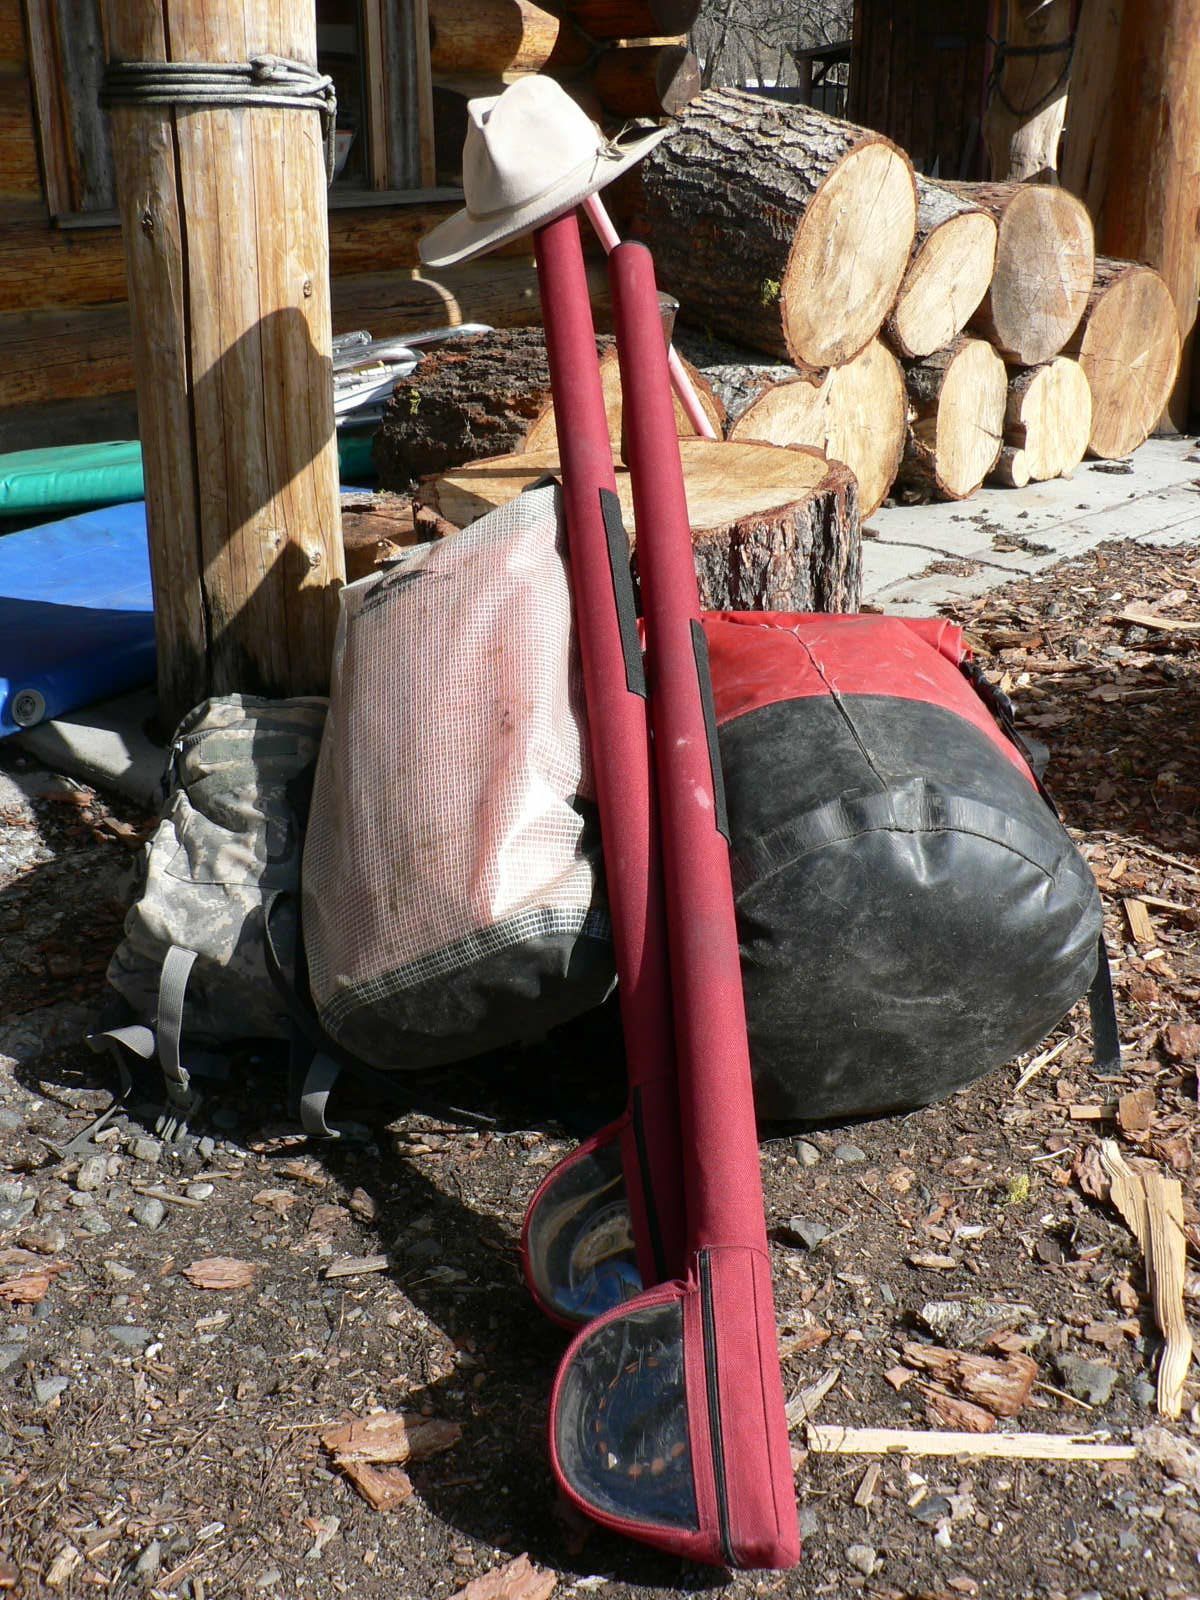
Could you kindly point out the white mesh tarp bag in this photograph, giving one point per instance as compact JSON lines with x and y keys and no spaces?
{"x":452,"y":899}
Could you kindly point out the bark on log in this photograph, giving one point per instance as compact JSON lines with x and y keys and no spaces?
{"x":1152,"y":194}
{"x":1048,"y":416}
{"x":491,"y":37}
{"x":1128,"y":346}
{"x":778,"y":227}
{"x":855,"y":413}
{"x":1045,"y":258}
{"x":488,"y":396}
{"x":1012,"y":468}
{"x":471,"y":398}
{"x":953,"y":257}
{"x":956,"y":419}
{"x":1023,"y":144}
{"x":772,"y":529}
{"x":646,"y":80}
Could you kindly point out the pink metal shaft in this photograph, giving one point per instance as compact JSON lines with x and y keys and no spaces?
{"x":617,"y":716}
{"x":680,"y":382}
{"x":720,"y":1139}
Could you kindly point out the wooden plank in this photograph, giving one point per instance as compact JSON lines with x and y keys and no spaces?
{"x":43,"y":268}
{"x":20,"y":177}
{"x":379,"y":143}
{"x":79,"y":38}
{"x":829,"y":1439}
{"x":12,"y":34}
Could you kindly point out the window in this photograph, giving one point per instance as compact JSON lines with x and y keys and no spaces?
{"x":376,"y":52}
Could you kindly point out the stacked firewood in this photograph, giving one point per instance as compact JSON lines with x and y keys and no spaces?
{"x":844,"y":311}
{"x":925,"y":333}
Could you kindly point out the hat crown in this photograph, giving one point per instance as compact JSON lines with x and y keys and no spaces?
{"x":521,"y":143}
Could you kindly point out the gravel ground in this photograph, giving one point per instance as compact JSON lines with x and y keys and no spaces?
{"x":159,"y":1437}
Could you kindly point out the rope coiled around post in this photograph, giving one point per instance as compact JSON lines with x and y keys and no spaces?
{"x":273,"y":82}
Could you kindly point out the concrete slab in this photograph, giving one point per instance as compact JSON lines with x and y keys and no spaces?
{"x":1156,"y":500}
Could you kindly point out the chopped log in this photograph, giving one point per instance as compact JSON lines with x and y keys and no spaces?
{"x":1034,"y":72}
{"x":956,"y":423}
{"x":471,"y":398}
{"x":779,"y":227}
{"x":542,"y":434}
{"x":649,"y":80}
{"x":490,"y":395}
{"x":1152,"y":189}
{"x":1045,"y":258}
{"x":1011,"y":469}
{"x":953,"y":256}
{"x":631,"y":19}
{"x":856,"y":413}
{"x":1049,"y":416}
{"x":773,"y":529}
{"x":492,"y":37}
{"x":377,"y":526}
{"x":1128,"y":346}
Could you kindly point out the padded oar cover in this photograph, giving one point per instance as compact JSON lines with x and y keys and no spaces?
{"x":911,"y":913}
{"x":668,"y":1420}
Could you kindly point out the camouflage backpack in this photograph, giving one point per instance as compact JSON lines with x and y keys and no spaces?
{"x":191,"y":968}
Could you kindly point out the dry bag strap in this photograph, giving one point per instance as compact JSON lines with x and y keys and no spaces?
{"x":328,"y":1058}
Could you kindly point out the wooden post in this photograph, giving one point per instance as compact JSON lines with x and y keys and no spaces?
{"x":227,"y":257}
{"x":1150,"y":209}
{"x":1023,"y":143}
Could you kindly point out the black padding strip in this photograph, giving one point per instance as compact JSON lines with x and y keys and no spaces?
{"x":704,"y":677}
{"x":1106,"y":1037}
{"x":544,"y":482}
{"x":618,"y":560}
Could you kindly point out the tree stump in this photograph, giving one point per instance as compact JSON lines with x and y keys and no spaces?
{"x":956,"y":426}
{"x":778,"y":227}
{"x":1045,"y":259}
{"x":856,"y":413}
{"x":953,"y":257}
{"x":773,"y":529}
{"x":1048,"y":417}
{"x":1128,"y":346}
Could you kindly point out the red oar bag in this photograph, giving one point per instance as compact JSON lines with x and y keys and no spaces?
{"x":911,"y":912}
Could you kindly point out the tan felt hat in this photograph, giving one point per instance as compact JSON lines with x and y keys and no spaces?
{"x":530,"y":154}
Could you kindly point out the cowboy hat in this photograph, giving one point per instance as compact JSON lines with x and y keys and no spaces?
{"x":530,"y":154}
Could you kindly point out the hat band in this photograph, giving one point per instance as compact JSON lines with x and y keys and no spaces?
{"x":530,"y":200}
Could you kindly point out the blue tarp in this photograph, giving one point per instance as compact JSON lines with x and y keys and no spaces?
{"x":76,"y":614}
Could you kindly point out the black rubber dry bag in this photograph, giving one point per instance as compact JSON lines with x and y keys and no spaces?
{"x":911,"y":911}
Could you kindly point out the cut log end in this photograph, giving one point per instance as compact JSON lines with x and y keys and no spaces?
{"x":945,"y":282}
{"x":857,"y":414}
{"x":1128,"y":347}
{"x":849,"y":256}
{"x":772,"y":529}
{"x":1045,"y":256}
{"x":957,"y":426}
{"x":1049,"y":417}
{"x":1012,"y":469}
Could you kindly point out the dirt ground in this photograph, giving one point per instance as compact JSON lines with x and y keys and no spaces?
{"x":159,"y":1438}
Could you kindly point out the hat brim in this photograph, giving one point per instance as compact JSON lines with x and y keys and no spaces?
{"x":463,"y":236}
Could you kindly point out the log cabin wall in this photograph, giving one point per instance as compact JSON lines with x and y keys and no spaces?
{"x":65,"y":354}
{"x":918,"y":71}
